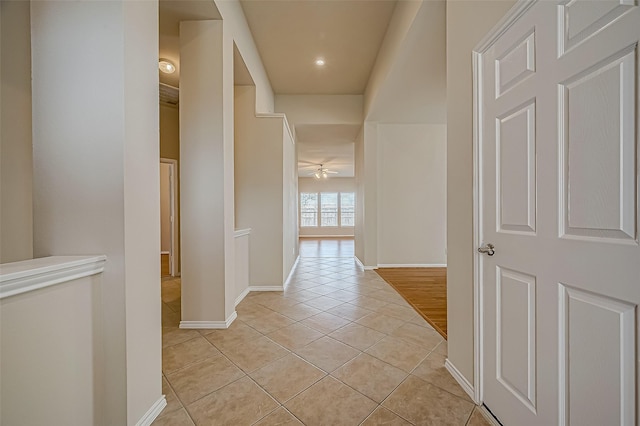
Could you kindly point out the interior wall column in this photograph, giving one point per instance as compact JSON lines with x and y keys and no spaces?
{"x":206,"y":177}
{"x":95,"y":183}
{"x":371,"y":193}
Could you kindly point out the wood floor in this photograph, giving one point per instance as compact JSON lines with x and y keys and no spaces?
{"x":327,"y":247}
{"x":425,"y":289}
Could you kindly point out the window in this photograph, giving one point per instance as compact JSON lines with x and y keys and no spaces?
{"x":308,"y":209}
{"x":329,"y":203}
{"x":347,"y":209}
{"x":327,"y":209}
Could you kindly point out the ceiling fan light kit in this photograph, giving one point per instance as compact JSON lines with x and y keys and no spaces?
{"x":322,"y":173}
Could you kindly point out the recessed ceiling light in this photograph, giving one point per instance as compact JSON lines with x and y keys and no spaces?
{"x":166,"y":66}
{"x":320,"y":62}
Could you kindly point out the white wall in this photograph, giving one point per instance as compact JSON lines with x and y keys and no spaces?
{"x":16,"y":210}
{"x":94,"y":154}
{"x":320,"y":109}
{"x":50,"y":358}
{"x":237,"y":30}
{"x":265,"y":190}
{"x":331,"y":184}
{"x":359,"y":236}
{"x":467,"y":22}
{"x":165,"y":207}
{"x":290,"y":244}
{"x":412,"y":194}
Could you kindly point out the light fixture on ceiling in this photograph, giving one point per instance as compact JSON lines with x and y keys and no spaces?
{"x":322,"y":173}
{"x":320,"y":62}
{"x":166,"y":66}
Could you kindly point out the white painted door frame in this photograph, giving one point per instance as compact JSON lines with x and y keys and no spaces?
{"x":505,"y":23}
{"x":173,"y":185}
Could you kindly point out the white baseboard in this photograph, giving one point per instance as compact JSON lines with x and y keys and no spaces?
{"x":326,"y":236}
{"x":293,"y":268}
{"x":153,"y":412}
{"x":242,"y":296}
{"x":462,"y":381}
{"x":362,"y":265}
{"x":412,"y":265}
{"x":266,"y":288}
{"x":209,"y":324}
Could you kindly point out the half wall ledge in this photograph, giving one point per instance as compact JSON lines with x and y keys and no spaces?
{"x":29,"y":275}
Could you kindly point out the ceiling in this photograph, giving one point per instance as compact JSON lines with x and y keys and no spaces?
{"x":291,"y":35}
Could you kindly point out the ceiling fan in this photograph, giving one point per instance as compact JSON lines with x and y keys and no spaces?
{"x":322,"y":173}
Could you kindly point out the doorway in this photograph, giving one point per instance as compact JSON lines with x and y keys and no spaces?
{"x":168,"y":223}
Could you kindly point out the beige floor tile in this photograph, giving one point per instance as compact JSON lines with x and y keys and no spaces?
{"x":420,"y":336}
{"x":299,"y":311}
{"x":239,"y":403}
{"x":349,"y":311}
{"x":236,"y":334}
{"x":280,"y":417}
{"x":169,"y":318}
{"x":343,"y":295}
{"x":179,"y":356}
{"x":325,"y":322}
{"x":398,"y":353}
{"x":301,"y":295}
{"x":174,"y":335}
{"x":175,"y":418}
{"x":323,"y":289}
{"x":269,"y":322}
{"x":248,"y":311}
{"x":442,"y":348}
{"x":401,"y":312}
{"x":324,"y":303}
{"x":369,"y":303}
{"x":170,"y":291}
{"x":384,"y":417}
{"x":423,"y":403}
{"x":330,"y":402}
{"x":432,"y":370}
{"x":358,"y":336}
{"x":255,"y":354}
{"x":287,"y":377}
{"x":418,"y":320}
{"x":202,"y":378}
{"x":370,"y":376}
{"x":295,"y":336}
{"x":173,"y":403}
{"x":477,"y":419}
{"x":382,"y":323}
{"x":327,"y":353}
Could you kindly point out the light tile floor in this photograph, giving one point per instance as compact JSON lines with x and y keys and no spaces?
{"x":338,"y":347}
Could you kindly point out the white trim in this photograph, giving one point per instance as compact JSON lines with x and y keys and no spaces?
{"x":165,"y":252}
{"x":362,"y":265}
{"x":412,"y":265}
{"x":492,"y":36}
{"x":153,"y":412}
{"x":28,"y":275}
{"x":173,"y":193}
{"x":216,"y":325}
{"x":266,"y":288}
{"x":290,"y":276}
{"x":241,"y":232}
{"x":462,"y":381}
{"x":241,"y":297}
{"x":327,"y":236}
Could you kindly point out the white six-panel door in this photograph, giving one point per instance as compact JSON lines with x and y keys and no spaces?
{"x":558,"y":157}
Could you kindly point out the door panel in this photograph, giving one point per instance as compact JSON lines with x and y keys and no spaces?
{"x":559,"y":200}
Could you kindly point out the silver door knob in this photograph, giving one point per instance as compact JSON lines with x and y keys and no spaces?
{"x":488,"y":249}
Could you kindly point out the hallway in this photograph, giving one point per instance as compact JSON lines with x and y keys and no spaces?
{"x":337,"y":347}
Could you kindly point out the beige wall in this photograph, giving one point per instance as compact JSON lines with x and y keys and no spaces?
{"x":265,"y":190}
{"x":320,"y":109}
{"x":467,"y":22}
{"x":94,"y":155}
{"x":170,"y":148}
{"x":237,"y":30}
{"x":330,"y":184}
{"x":50,"y":355}
{"x":359,"y":183}
{"x":16,"y":210}
{"x":165,"y":207}
{"x":412,"y":194}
